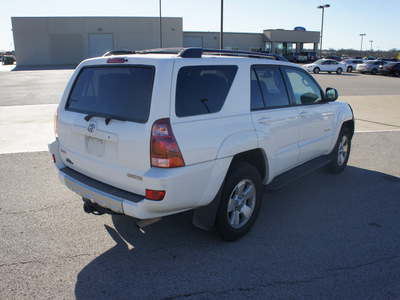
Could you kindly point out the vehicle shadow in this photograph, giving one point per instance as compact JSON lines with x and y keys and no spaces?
{"x":316,"y":226}
{"x":44,"y":67}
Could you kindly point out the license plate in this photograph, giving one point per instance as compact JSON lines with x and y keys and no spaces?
{"x":95,"y":146}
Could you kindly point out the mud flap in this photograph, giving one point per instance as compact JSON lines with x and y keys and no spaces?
{"x":204,"y":217}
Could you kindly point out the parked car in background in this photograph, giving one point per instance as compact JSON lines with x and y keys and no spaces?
{"x":311,"y":56}
{"x":296,"y":57}
{"x":371,"y":66}
{"x":392,"y":68}
{"x":8,"y":59}
{"x":389,"y":59}
{"x":351,"y":64}
{"x":325,"y":65}
{"x":334,"y":57}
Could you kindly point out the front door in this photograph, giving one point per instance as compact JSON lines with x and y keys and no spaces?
{"x":316,"y":115}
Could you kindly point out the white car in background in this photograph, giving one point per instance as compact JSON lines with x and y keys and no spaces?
{"x":325,"y":65}
{"x":351,"y":64}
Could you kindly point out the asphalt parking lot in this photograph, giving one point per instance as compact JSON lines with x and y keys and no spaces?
{"x":322,"y":237}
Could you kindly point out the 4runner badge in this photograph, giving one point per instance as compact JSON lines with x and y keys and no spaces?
{"x":91,"y":128}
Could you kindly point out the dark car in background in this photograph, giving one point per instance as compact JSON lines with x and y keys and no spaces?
{"x":311,"y":56}
{"x":392,"y":68}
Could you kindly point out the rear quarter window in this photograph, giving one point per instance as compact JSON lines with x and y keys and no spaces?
{"x":202,"y":89}
{"x":122,"y":93}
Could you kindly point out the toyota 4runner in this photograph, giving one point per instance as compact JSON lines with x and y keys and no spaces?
{"x":161,"y":132}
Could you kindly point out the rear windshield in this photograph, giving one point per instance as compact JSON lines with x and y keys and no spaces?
{"x":122,"y":93}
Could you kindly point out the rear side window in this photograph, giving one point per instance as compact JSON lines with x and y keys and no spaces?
{"x":122,"y":93}
{"x":202,"y":89}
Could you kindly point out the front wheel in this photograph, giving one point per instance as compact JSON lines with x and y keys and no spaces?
{"x":339,"y":71}
{"x":374,"y":71}
{"x":240,"y":202}
{"x":316,"y":70}
{"x":341,"y":153}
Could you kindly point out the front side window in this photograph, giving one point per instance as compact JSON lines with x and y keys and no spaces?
{"x":122,"y":93}
{"x":305,"y":90}
{"x":202,"y":89}
{"x":268,"y":89}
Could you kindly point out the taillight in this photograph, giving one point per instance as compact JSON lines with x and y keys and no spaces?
{"x":390,"y":68}
{"x":55,"y":123}
{"x":164,"y":150}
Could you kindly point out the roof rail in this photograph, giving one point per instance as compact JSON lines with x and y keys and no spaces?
{"x":198,"y":52}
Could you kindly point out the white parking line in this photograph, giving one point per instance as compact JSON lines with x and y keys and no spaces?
{"x":369,"y":131}
{"x":26,"y":128}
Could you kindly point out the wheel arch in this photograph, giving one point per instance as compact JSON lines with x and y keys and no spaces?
{"x":204,"y":216}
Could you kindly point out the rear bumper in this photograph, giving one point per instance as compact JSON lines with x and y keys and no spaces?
{"x":186,"y":188}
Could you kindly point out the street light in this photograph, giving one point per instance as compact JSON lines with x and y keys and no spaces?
{"x":362,"y":37}
{"x":160,"y":25}
{"x":371,"y":41}
{"x":221,"y":35}
{"x":322,"y":24}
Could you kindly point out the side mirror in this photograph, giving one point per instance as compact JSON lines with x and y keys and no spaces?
{"x":331,"y":94}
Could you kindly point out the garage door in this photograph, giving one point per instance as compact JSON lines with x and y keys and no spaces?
{"x":192,"y":42}
{"x":100,"y":44}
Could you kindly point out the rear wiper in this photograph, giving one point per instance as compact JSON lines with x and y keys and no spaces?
{"x":108,"y":120}
{"x":88,"y":117}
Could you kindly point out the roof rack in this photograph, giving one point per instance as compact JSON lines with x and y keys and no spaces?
{"x":198,"y":53}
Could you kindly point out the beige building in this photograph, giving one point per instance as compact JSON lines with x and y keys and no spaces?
{"x":69,"y":40}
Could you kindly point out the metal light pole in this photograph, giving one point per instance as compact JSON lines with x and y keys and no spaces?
{"x":160,"y":26}
{"x":221,"y":38}
{"x":322,"y":25}
{"x":371,"y":41}
{"x":362,"y":37}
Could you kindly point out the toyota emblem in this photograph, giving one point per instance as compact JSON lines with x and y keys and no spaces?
{"x":91,"y":128}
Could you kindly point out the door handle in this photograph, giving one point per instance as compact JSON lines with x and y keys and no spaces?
{"x":264,"y":120}
{"x":304,"y":114}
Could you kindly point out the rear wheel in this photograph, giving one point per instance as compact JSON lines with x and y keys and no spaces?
{"x":316,"y":70}
{"x":240,"y":202}
{"x":349,"y":69}
{"x":374,"y":71}
{"x":341,"y":153}
{"x":339,"y":71}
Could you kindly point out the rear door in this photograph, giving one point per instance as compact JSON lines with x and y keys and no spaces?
{"x":103,"y":127}
{"x":275,"y":120}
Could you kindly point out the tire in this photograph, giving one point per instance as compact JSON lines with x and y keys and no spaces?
{"x":374,"y":71}
{"x":316,"y":70}
{"x":397,"y":74}
{"x":329,"y":72}
{"x":341,"y":153}
{"x":240,"y":202}
{"x":349,"y":69}
{"x":339,"y":71}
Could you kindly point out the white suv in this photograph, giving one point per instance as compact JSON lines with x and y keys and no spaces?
{"x":161,"y":132}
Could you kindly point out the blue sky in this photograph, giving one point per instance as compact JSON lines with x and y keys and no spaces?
{"x":343,"y":22}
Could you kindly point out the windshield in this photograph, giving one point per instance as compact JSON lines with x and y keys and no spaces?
{"x":122,"y":93}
